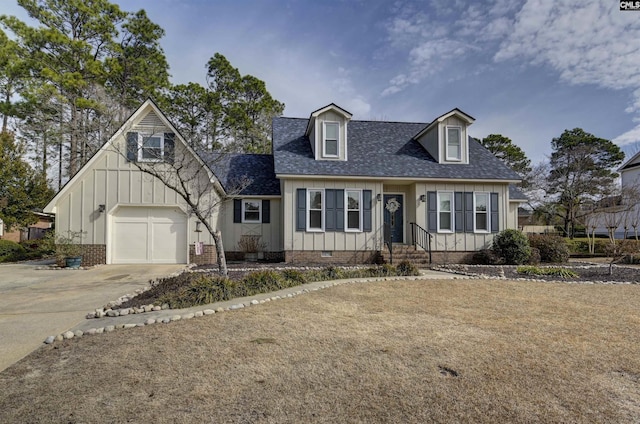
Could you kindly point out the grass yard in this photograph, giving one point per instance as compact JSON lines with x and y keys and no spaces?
{"x":431,"y":351}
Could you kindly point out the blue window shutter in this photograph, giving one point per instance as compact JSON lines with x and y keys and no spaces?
{"x":237,"y":211}
{"x":330,"y":210}
{"x":367,"y":224}
{"x":266,"y":211}
{"x":301,"y":209}
{"x":459,"y":214}
{"x":468,"y":212}
{"x":432,"y":211}
{"x":169,"y":147}
{"x":132,"y":146}
{"x":495,"y":213}
{"x":339,"y":210}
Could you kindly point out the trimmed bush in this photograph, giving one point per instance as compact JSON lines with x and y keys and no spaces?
{"x":553,"y":249}
{"x":407,"y":268}
{"x":512,"y":247}
{"x":11,"y":251}
{"x":534,"y":259}
{"x":485,"y":257}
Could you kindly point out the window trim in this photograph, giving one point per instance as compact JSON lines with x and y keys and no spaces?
{"x":451,"y":212}
{"x":324,"y":139}
{"x":487,"y":212}
{"x":243,"y":210}
{"x":141,"y":139}
{"x":346,"y":210}
{"x":447,"y":149}
{"x":322,"y":210}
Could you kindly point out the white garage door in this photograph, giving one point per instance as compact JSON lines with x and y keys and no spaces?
{"x":149,"y":235}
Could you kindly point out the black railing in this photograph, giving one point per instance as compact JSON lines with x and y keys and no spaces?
{"x":386,"y":235}
{"x":421,"y":237}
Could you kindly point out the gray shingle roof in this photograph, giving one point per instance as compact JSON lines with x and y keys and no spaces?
{"x":378,"y":149}
{"x":516,"y":194}
{"x":235,"y":170}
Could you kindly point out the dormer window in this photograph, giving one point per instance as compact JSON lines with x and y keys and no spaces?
{"x":454,"y":143}
{"x":331,"y":139}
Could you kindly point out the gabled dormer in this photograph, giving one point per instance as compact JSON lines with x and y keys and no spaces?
{"x":327,"y":132}
{"x":447,"y":138}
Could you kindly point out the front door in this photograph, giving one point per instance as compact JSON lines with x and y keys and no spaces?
{"x":393,"y":216}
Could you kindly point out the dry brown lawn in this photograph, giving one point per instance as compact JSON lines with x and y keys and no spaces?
{"x":426,"y":351}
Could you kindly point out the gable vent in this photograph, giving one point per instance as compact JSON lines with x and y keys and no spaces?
{"x":152,"y":120}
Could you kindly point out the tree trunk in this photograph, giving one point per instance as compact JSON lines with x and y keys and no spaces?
{"x":5,"y":116}
{"x":220,"y":256}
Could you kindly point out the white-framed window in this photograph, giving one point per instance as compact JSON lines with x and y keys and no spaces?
{"x":353,"y":210}
{"x":251,"y":210}
{"x":151,"y":147}
{"x":445,"y":211}
{"x":454,"y":143}
{"x":315,"y":209}
{"x":481,"y":212}
{"x":331,"y":139}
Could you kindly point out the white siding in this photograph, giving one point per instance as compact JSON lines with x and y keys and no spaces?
{"x":330,"y":240}
{"x":465,"y":242}
{"x":271,"y":233}
{"x":331,"y":116}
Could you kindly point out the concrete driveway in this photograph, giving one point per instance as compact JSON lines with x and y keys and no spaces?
{"x":35,"y":304}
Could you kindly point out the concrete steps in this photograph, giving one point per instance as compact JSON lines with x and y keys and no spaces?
{"x":406,"y":252}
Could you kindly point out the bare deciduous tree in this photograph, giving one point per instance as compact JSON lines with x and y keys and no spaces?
{"x":161,"y":155}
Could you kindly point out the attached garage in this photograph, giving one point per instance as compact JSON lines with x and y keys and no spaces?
{"x":154,"y":235}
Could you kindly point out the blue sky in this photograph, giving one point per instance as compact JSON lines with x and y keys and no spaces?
{"x":527,"y":69}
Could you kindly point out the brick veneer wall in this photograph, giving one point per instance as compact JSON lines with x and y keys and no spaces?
{"x":337,"y":257}
{"x":94,"y":254}
{"x":208,"y":255}
{"x":452,"y":257}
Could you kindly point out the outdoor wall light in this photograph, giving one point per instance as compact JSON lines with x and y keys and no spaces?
{"x":378,"y":197}
{"x":102,"y":208}
{"x":198,"y":230}
{"x":423,"y":198}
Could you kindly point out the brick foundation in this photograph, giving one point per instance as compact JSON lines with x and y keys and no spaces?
{"x":92,"y":254}
{"x":208,"y":256}
{"x":337,"y":257}
{"x":452,"y":257}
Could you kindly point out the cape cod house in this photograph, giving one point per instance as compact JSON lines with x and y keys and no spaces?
{"x":326,"y":193}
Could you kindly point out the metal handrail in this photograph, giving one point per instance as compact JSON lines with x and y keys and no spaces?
{"x":421,"y":237}
{"x":386,"y":236}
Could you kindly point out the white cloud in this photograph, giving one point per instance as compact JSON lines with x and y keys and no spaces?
{"x":444,"y":37}
{"x":588,"y":42}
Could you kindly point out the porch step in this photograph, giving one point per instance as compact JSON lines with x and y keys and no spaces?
{"x":405,"y":252}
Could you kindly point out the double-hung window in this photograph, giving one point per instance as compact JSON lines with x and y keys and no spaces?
{"x":445,"y":211}
{"x":151,"y":148}
{"x":454,"y":143}
{"x":331,"y":139}
{"x":315,"y":211}
{"x":251,"y":211}
{"x":481,"y":212}
{"x":353,"y":208}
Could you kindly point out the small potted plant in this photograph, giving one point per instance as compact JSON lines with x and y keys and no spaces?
{"x":69,"y":249}
{"x":251,"y":245}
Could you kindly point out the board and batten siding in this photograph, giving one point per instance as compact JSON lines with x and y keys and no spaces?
{"x":113,"y":181}
{"x":331,"y":116}
{"x":329,"y":240}
{"x":465,"y":242}
{"x":271,"y":233}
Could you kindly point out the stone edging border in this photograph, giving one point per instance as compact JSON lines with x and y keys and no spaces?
{"x":472,"y":275}
{"x":67,"y":335}
{"x":108,"y":311}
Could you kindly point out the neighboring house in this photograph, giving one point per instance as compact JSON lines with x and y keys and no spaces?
{"x":622,"y":211}
{"x":32,"y":232}
{"x":324,"y":195}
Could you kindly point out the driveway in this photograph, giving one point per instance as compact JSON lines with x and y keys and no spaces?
{"x":35,"y":304}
